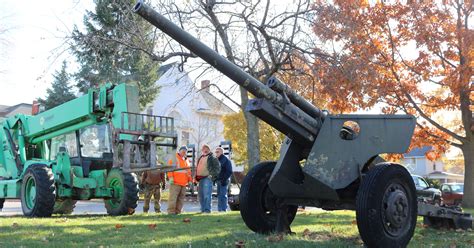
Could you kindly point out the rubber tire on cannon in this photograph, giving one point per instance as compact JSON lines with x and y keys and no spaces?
{"x":386,"y":206}
{"x":257,"y":202}
{"x":125,"y":186}
{"x":38,"y":192}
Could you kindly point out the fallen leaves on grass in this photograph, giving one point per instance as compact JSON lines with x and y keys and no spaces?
{"x":118,"y":226}
{"x":152,"y":226}
{"x":63,"y":220}
{"x":187,"y":220}
{"x":240,"y":244}
{"x":275,"y":238}
{"x":422,"y":225}
{"x":307,"y":234}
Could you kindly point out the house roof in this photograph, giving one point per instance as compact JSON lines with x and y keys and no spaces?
{"x":8,"y":110}
{"x":215,"y":104}
{"x":3,"y":108}
{"x":164,"y":68}
{"x":418,"y":151}
{"x":445,"y":175}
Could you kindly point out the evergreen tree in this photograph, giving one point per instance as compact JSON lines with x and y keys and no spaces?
{"x":60,"y":91}
{"x":104,"y":53}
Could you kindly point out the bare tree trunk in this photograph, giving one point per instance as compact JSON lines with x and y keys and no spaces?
{"x":467,"y":144}
{"x":253,"y":135}
{"x":253,"y":138}
{"x":468,"y":152}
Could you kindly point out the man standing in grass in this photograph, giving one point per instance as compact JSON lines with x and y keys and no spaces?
{"x":223,"y":179}
{"x":208,"y":167}
{"x":178,"y":181}
{"x":153,"y":180}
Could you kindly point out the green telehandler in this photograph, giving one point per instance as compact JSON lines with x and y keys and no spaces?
{"x":89,"y":147}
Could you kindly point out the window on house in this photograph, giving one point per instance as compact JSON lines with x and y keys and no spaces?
{"x":410,"y":163}
{"x":185,"y":138}
{"x":214,"y":126}
{"x":177,"y":118}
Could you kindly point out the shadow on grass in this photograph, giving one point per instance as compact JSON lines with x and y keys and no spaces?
{"x":214,"y":230}
{"x":56,"y":216}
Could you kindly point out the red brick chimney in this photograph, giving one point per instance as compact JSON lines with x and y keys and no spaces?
{"x":35,"y":108}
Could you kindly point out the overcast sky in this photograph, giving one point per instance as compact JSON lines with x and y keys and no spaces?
{"x":30,"y":54}
{"x":34,"y":47}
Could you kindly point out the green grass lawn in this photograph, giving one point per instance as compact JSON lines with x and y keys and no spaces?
{"x":327,"y":229}
{"x":469,"y":210}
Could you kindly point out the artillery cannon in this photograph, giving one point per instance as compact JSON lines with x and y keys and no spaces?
{"x":327,"y":161}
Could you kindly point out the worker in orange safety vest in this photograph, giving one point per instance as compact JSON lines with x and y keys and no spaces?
{"x":178,"y":180}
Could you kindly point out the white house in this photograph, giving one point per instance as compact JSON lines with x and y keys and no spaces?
{"x":417,"y":164}
{"x":197,"y":112}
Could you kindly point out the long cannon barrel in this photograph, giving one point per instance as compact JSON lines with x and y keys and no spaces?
{"x":306,"y":114}
{"x":298,"y":100}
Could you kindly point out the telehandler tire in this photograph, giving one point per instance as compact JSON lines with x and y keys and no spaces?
{"x":257,"y":202}
{"x":64,"y":206}
{"x":386,"y":206}
{"x":38,"y":192}
{"x":125,"y":187}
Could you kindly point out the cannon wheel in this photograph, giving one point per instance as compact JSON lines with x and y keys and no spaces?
{"x":257,"y":202}
{"x":38,"y":191}
{"x":125,"y":188}
{"x":386,"y":206}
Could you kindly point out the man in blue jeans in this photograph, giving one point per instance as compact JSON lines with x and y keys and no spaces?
{"x":223,"y":179}
{"x":207,"y":169}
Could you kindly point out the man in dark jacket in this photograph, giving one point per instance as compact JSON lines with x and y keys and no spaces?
{"x":223,"y":179}
{"x":207,"y":170}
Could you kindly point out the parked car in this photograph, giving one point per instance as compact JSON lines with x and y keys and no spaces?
{"x":452,"y":193}
{"x":425,"y":191}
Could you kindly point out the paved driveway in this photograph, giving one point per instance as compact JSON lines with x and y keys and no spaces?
{"x":13,"y":207}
